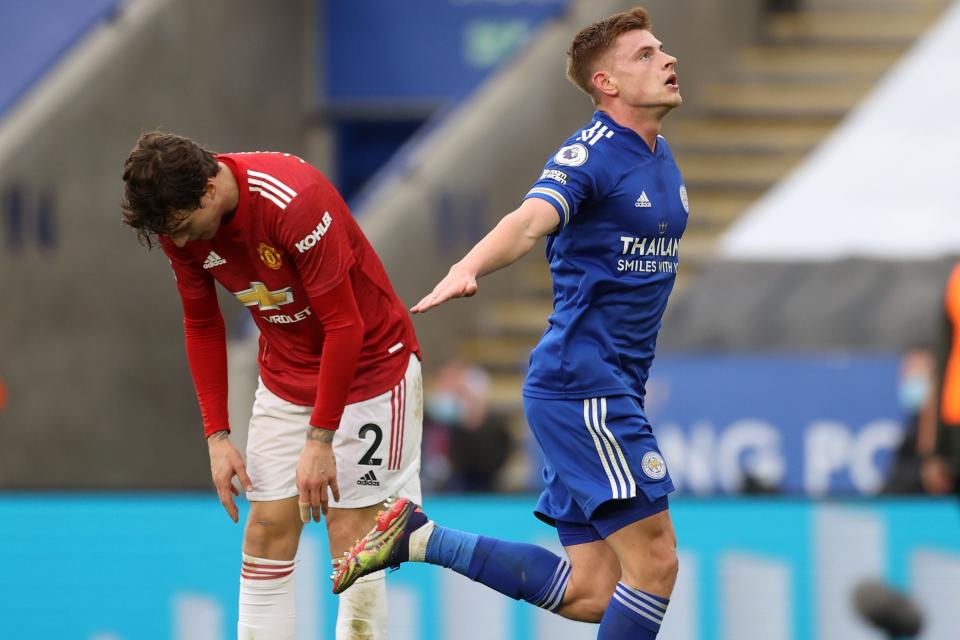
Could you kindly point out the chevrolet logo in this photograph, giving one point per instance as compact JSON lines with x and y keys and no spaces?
{"x":258,"y":294}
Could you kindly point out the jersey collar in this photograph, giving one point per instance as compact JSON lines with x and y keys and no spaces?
{"x":629,"y":134}
{"x":243,"y":192}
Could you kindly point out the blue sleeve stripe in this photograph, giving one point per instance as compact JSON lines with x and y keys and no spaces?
{"x":557,"y":197}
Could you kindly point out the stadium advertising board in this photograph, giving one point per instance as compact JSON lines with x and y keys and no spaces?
{"x":810,"y":424}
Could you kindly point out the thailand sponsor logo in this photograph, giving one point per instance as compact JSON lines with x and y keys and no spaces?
{"x":660,"y":247}
{"x":649,"y":255}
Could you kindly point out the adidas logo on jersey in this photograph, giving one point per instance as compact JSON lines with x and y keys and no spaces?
{"x":213,"y":260}
{"x":643,"y":201}
{"x":368,"y":480}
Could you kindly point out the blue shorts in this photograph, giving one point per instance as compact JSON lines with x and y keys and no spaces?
{"x":602,"y":468}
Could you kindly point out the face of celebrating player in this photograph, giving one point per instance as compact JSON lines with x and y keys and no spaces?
{"x":640,"y":73}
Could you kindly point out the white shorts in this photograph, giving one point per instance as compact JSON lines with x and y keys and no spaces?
{"x":377,"y":445}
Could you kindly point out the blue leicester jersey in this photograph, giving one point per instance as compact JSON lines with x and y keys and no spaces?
{"x":613,"y":261}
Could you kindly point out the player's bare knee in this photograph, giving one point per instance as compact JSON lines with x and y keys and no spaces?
{"x":654,"y":568}
{"x":266,"y":537}
{"x":666,"y":560}
{"x":653,"y":564}
{"x":663,"y":554}
{"x":660,"y":554}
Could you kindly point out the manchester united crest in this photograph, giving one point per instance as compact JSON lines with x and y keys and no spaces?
{"x":270,"y":256}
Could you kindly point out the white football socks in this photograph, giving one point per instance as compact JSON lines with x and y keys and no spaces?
{"x":362,"y":614}
{"x":418,"y":541}
{"x":266,"y":599}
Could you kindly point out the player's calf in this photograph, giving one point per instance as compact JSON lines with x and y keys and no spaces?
{"x":586,"y":601}
{"x":595,"y":573}
{"x":648,"y":558}
{"x":362,"y":609}
{"x":346,"y":526}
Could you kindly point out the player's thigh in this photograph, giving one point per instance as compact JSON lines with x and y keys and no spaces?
{"x":275,"y":440}
{"x":594,"y":573}
{"x":273,"y":529}
{"x":377,"y":445}
{"x":647,"y":551}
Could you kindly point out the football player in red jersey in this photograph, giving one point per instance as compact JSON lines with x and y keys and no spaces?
{"x":337,"y":417}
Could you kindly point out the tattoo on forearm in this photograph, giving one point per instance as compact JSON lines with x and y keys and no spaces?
{"x":219,"y":435}
{"x":323,"y":435}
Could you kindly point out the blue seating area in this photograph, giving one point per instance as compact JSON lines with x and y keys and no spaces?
{"x":35,"y":34}
{"x":379,"y":76}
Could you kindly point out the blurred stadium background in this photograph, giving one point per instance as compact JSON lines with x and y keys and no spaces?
{"x":817,"y":139}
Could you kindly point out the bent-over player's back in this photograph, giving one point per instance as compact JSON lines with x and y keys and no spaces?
{"x":293,"y":238}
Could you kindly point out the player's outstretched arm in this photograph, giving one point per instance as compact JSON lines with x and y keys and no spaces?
{"x":513,"y":237}
{"x":226,"y":462}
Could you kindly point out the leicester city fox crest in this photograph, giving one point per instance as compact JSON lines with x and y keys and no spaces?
{"x":653,"y":465}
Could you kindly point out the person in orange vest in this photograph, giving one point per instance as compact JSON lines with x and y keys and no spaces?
{"x":941,"y":465}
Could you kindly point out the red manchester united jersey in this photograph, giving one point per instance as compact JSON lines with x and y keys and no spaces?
{"x":292,"y":236}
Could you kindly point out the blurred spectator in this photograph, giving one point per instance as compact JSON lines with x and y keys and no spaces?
{"x":465,"y":444}
{"x":918,"y":407}
{"x":928,"y":461}
{"x":941,"y":465}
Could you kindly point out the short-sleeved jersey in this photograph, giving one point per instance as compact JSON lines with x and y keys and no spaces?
{"x":613,"y":260}
{"x":292,"y":237}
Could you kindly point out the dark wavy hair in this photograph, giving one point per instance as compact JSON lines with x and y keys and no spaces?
{"x":163,"y":173}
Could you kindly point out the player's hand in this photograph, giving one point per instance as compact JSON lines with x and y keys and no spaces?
{"x":226,"y":462}
{"x":316,"y":472}
{"x":459,"y":283}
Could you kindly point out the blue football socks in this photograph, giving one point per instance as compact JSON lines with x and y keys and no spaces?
{"x":521,"y":571}
{"x":632,"y":615}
